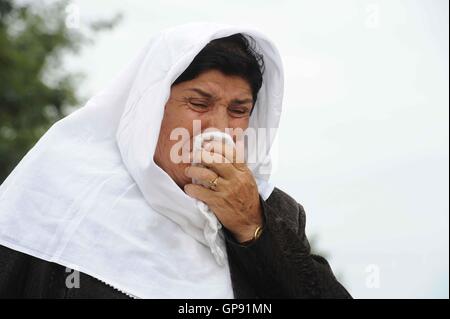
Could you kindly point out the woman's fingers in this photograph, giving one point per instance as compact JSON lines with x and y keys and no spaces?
{"x":214,"y":161}
{"x":235,"y":155}
{"x":211,"y":198}
{"x":225,"y":149}
{"x":201,"y":193}
{"x":202,"y":175}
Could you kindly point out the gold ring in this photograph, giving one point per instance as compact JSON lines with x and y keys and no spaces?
{"x":213,"y":183}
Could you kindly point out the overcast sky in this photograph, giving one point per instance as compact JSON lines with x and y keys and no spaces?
{"x":363,"y":143}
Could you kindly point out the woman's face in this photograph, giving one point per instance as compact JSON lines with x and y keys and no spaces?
{"x":216,"y":100}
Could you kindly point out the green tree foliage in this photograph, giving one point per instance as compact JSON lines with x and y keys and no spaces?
{"x":34,"y":93}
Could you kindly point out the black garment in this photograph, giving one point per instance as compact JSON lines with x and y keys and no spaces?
{"x":278,"y":265}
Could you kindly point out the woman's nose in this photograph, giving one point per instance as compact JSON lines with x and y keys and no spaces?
{"x":218,"y":119}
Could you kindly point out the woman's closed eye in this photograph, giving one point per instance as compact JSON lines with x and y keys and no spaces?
{"x":198,"y":104}
{"x":239,"y":111}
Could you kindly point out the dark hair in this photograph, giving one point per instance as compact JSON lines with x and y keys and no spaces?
{"x":232,"y":55}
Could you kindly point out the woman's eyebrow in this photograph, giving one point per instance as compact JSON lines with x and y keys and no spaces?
{"x":241,"y":101}
{"x":201,"y":92}
{"x":210,"y":96}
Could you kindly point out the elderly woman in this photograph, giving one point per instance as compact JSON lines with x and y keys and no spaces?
{"x":112,"y":203}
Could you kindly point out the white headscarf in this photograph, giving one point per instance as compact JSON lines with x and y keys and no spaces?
{"x":89,"y":196}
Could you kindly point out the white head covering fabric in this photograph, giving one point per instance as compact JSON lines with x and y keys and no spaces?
{"x":89,"y":196}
